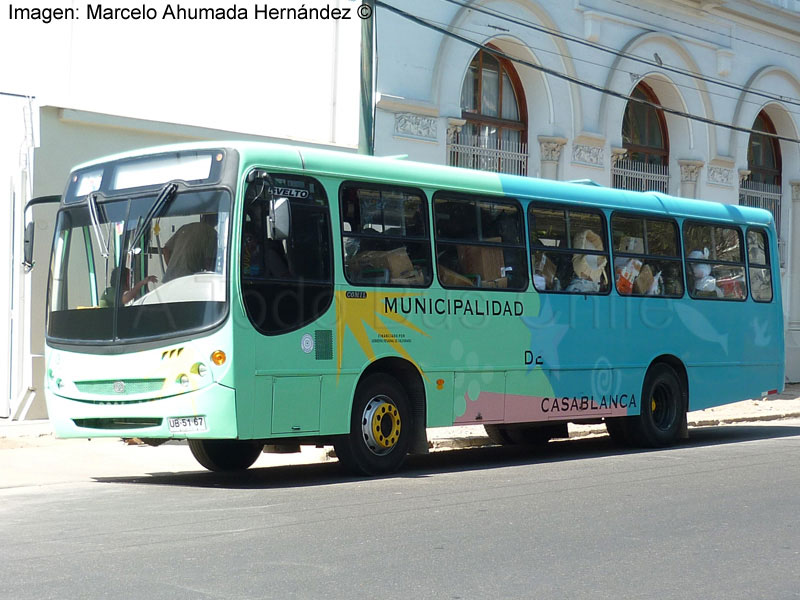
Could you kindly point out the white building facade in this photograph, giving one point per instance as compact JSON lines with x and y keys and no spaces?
{"x":648,"y":95}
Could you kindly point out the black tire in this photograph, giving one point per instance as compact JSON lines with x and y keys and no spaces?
{"x":381,"y":427}
{"x":618,"y":430}
{"x":525,"y":434}
{"x":226,"y":455}
{"x":663,"y":409}
{"x":498,"y":434}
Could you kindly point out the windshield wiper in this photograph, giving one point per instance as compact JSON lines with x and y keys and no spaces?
{"x":102,"y":241}
{"x":166,"y":194}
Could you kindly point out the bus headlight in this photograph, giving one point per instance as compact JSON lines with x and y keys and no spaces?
{"x":184,"y":380}
{"x":200,"y":369}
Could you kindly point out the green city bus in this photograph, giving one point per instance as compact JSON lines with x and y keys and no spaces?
{"x":243,"y":295}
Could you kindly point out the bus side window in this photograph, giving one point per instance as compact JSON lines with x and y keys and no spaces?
{"x":714,"y":261}
{"x":568,"y":250}
{"x":647,"y":258}
{"x":385,"y":236}
{"x":479,"y":243}
{"x":758,"y":257}
{"x":286,"y":283}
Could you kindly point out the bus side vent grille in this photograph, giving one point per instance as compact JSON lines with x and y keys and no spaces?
{"x":323,"y":343}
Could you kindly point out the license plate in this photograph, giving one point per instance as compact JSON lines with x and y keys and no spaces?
{"x":187,"y":424}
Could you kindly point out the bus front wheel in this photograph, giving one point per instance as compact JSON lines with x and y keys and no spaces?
{"x":663,"y":409}
{"x":225,"y":455}
{"x":381,"y":427}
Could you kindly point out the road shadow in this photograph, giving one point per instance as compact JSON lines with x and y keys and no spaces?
{"x":450,"y":461}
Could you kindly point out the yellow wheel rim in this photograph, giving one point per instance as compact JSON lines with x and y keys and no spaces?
{"x":381,"y":425}
{"x":386,"y":425}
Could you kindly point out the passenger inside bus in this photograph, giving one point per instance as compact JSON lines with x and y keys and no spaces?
{"x":191,"y":249}
{"x":705,"y":285}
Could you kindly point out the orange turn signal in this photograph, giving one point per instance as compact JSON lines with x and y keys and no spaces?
{"x":218,"y":357}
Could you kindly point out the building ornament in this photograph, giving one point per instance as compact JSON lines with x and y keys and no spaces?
{"x":454,"y":128}
{"x":588,"y":155}
{"x":618,"y":154}
{"x":795,"y":190}
{"x":550,"y":147}
{"x":720,"y":175}
{"x":416,"y":126}
{"x":690,"y":170}
{"x":743,"y":175}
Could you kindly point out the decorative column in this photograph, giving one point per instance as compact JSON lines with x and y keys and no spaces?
{"x":690,"y":170}
{"x":550,"y":150}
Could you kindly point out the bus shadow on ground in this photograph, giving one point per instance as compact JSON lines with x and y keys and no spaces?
{"x":455,"y":460}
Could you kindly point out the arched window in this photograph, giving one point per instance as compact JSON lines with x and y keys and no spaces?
{"x":493,"y":105}
{"x":644,"y":129}
{"x":644,"y":136}
{"x":764,"y":153}
{"x":763,"y":187}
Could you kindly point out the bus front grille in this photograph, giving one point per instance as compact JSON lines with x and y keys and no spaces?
{"x":118,"y":387}
{"x":119,"y":423}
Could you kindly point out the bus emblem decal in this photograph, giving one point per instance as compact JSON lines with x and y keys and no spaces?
{"x":307,"y":343}
{"x":119,"y":387}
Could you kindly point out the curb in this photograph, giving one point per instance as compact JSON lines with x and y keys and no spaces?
{"x":39,"y":431}
{"x":481,"y":441}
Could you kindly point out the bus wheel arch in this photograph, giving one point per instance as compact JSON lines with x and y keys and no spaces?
{"x":683,"y":377}
{"x":387,"y":418}
{"x":409,"y":376}
{"x":664,"y":404}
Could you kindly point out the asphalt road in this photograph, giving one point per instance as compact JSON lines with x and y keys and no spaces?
{"x":717,"y":517}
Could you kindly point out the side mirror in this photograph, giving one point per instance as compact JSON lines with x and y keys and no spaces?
{"x":280,"y":218}
{"x":27,"y":250}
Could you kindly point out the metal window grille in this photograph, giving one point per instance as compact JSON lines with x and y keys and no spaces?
{"x":488,"y":154}
{"x":640,"y":176}
{"x":768,"y":197}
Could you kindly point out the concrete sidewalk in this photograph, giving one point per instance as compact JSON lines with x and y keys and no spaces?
{"x":30,"y":455}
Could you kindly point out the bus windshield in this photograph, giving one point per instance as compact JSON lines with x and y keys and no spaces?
{"x":117,"y":277}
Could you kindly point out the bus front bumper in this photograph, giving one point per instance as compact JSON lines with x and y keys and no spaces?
{"x":208,"y":413}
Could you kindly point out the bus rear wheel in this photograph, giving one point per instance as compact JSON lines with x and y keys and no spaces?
{"x":663,"y":409}
{"x":225,"y":455}
{"x":381,"y":427}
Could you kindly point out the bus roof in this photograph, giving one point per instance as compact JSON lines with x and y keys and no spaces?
{"x":415,"y":174}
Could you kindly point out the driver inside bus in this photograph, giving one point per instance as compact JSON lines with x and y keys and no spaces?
{"x":191,"y":249}
{"x":109,"y":297}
